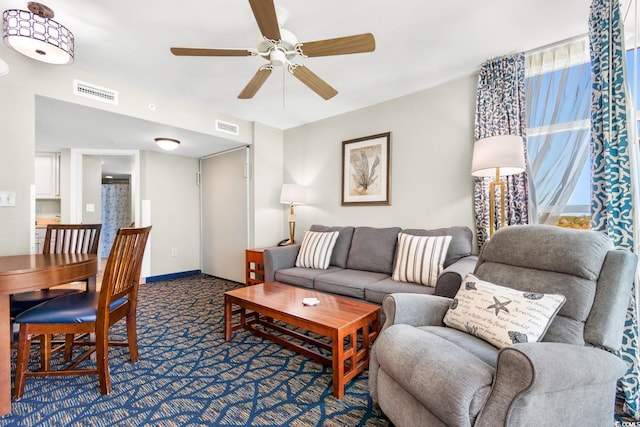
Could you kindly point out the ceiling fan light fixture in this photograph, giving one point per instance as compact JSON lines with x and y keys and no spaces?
{"x":287,"y":42}
{"x":280,"y":46}
{"x":34,"y":34}
{"x":168,"y":144}
{"x":277,"y":57}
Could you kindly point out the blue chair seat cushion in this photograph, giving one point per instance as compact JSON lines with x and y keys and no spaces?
{"x":25,"y":300}
{"x":78,"y":307}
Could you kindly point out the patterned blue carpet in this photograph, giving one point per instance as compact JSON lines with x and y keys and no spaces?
{"x":189,"y":376}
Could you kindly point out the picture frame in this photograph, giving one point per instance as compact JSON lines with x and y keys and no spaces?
{"x":366,"y":170}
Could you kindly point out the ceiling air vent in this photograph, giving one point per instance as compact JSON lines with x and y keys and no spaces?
{"x":94,"y":92}
{"x":227,"y":127}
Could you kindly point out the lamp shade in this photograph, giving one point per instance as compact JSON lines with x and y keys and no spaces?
{"x":34,"y":34}
{"x":503,"y":151}
{"x":293,"y":194}
{"x":168,"y":144}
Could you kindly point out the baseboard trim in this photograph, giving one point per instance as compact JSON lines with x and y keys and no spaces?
{"x":172,"y":276}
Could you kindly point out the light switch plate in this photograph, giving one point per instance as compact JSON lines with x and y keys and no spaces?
{"x":7,"y":198}
{"x":91,"y":207}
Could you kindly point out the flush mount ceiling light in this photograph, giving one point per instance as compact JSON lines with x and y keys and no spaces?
{"x":34,"y":34}
{"x":168,"y":144}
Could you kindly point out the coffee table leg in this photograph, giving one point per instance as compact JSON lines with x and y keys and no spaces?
{"x":337,"y":364}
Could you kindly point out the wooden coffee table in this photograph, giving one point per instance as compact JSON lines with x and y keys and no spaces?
{"x":351,"y":325}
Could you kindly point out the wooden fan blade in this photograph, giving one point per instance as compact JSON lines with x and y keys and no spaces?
{"x":255,"y":83}
{"x":265,"y":13}
{"x":338,"y":46}
{"x":191,"y":51}
{"x":312,"y":81}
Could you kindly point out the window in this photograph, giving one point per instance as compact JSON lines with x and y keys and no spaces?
{"x":558,"y":89}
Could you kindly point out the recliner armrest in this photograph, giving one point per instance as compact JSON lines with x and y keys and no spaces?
{"x":278,"y":258}
{"x":534,"y":375}
{"x":451,"y":277}
{"x":414,"y":309}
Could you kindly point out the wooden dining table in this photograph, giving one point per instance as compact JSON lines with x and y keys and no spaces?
{"x":23,"y":273}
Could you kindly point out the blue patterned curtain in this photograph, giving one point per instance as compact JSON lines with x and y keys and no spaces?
{"x":500,"y":110}
{"x":612,"y":184}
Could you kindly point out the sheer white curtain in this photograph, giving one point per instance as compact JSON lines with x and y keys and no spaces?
{"x":557,"y":90}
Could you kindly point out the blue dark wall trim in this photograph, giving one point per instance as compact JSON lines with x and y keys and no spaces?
{"x":172,"y":276}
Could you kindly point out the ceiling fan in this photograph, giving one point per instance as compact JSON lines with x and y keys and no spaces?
{"x":280,"y":46}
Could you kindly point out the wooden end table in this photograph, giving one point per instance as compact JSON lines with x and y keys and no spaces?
{"x":351,"y":325}
{"x":254,"y":266}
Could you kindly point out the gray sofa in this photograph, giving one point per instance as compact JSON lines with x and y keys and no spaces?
{"x":362,"y":263}
{"x":425,"y":373}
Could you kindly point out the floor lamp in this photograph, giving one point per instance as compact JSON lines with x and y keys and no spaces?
{"x":292,"y":194}
{"x":497,"y":156}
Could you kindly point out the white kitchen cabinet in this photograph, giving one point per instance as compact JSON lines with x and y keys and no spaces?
{"x":47,"y":175}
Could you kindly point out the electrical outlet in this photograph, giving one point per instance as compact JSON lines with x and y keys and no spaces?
{"x":174,"y":251}
{"x":7,"y":198}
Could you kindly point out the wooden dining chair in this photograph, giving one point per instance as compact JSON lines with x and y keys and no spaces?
{"x":59,"y":238}
{"x":89,"y":312}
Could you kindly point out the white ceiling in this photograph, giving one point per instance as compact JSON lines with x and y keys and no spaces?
{"x":419,"y":44}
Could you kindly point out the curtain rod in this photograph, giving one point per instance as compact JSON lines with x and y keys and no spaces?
{"x":555,"y":44}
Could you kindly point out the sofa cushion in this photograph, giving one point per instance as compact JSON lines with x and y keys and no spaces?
{"x":373,"y":249}
{"x":375,"y":292}
{"x":316,"y":248}
{"x":501,"y":316}
{"x":341,"y":248}
{"x":419,"y":259}
{"x":461,"y":241}
{"x":302,"y":277}
{"x":351,"y":283}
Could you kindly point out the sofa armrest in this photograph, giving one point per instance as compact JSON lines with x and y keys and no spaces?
{"x":414,"y":309}
{"x":278,"y":258}
{"x":530,"y":376}
{"x":451,"y":277}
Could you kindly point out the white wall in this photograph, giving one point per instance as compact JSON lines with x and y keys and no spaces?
{"x":91,"y":189}
{"x":18,"y":89}
{"x":431,"y":147}
{"x":431,"y":137}
{"x":268,"y":165}
{"x":17,"y":148}
{"x":169,"y":182}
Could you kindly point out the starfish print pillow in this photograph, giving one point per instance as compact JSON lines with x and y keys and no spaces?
{"x":499,"y":315}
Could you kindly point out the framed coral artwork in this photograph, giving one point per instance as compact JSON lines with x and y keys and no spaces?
{"x":366,"y":170}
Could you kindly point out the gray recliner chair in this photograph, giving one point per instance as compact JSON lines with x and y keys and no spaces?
{"x":423,"y":373}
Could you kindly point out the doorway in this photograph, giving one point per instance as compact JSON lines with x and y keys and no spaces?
{"x":225,"y":214}
{"x":116,"y":209}
{"x":122,"y":164}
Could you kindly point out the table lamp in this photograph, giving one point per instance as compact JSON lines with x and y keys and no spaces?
{"x":292,"y":194}
{"x":497,"y":156}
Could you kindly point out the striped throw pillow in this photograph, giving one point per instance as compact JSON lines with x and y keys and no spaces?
{"x":316,"y":249}
{"x":419,"y":259}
